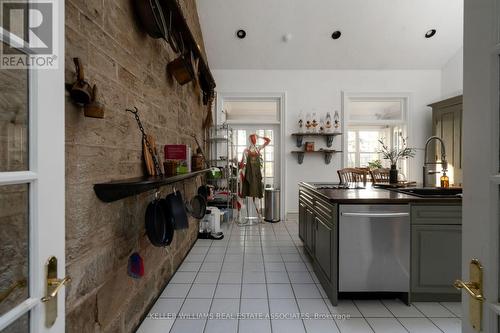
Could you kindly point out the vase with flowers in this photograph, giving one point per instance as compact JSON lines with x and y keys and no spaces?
{"x":394,"y":154}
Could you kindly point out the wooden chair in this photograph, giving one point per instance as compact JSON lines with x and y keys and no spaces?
{"x":380,"y":175}
{"x":351,"y":175}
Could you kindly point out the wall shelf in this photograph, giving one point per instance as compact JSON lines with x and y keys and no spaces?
{"x":120,"y":189}
{"x":328,"y":136}
{"x":326,"y":152}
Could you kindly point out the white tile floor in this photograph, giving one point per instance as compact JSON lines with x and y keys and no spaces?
{"x":262,"y":272}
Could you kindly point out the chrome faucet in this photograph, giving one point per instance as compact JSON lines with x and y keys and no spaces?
{"x":444,"y":163}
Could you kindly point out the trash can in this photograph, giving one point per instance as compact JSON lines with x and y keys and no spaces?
{"x":272,"y":205}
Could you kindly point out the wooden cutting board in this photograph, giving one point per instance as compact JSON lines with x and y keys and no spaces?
{"x":148,"y":158}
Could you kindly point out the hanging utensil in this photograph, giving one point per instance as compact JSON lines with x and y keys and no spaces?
{"x":159,"y":228}
{"x":197,"y":207}
{"x":148,"y":146}
{"x":151,"y":16}
{"x":81,"y":91}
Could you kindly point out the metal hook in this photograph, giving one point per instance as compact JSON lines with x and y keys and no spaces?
{"x":135,"y":111}
{"x":157,"y":194}
{"x":175,"y":190}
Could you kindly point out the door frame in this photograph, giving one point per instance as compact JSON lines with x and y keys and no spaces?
{"x":223,"y":96}
{"x":46,"y":179}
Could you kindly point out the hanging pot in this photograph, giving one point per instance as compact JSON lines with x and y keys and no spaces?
{"x":176,"y":207}
{"x":151,"y":16}
{"x":159,"y":226}
{"x":81,"y":91}
{"x":181,"y":69}
{"x":94,"y":109}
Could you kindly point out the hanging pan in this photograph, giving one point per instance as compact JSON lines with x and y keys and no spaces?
{"x":151,"y":16}
{"x":197,"y":207}
{"x":159,"y":224}
{"x":177,"y":209}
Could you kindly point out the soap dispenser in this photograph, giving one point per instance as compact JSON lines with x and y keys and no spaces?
{"x":445,"y":181}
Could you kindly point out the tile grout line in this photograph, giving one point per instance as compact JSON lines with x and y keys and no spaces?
{"x":196,"y":275}
{"x":293,"y":291}
{"x":334,"y":322}
{"x":216,"y":283}
{"x":265,"y":279}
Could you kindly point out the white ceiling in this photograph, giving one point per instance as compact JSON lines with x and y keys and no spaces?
{"x":376,"y":34}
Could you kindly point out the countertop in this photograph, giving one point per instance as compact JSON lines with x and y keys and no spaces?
{"x":370,"y":195}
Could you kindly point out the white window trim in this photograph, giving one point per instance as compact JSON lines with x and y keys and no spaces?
{"x":405,"y":96}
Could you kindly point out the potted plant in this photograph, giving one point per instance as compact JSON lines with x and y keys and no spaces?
{"x":394,"y":155}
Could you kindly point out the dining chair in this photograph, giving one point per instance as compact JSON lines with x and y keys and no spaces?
{"x":380,"y":175}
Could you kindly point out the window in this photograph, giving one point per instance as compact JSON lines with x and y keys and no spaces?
{"x":363,"y":145}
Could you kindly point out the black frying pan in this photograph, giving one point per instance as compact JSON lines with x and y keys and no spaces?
{"x":159,"y":224}
{"x":151,"y":16}
{"x":175,"y":205}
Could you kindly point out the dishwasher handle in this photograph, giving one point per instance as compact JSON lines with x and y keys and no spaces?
{"x":387,"y":214}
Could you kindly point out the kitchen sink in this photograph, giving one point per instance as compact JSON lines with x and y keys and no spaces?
{"x":439,"y":192}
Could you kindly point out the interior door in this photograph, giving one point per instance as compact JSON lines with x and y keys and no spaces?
{"x":481,"y":158}
{"x":32,"y":194}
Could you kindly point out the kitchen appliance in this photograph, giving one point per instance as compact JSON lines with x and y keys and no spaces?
{"x":374,"y":249}
{"x":210,"y":224}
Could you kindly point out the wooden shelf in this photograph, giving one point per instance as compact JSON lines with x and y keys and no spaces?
{"x":328,"y":136}
{"x":328,"y":153}
{"x":120,"y":189}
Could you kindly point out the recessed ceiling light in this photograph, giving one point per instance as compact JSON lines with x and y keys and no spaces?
{"x":430,"y":33}
{"x":241,"y":34}
{"x":336,"y":34}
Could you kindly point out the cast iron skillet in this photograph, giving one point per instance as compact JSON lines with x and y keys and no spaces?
{"x":151,"y":16}
{"x":159,"y":224}
{"x":175,"y":206}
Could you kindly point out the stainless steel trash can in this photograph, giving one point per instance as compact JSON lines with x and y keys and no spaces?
{"x":272,"y":205}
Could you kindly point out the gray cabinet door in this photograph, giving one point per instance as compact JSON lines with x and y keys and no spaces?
{"x":323,"y":247}
{"x":309,"y":218}
{"x":436,"y":258}
{"x":302,"y":222}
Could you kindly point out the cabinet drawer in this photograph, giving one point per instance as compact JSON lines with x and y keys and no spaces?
{"x":326,"y":212}
{"x":438,"y":214}
{"x":306,"y":198}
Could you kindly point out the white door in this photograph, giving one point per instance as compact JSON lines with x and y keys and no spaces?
{"x":481,"y":155}
{"x":32,"y":197}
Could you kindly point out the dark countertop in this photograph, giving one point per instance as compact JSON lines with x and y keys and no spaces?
{"x":370,"y":195}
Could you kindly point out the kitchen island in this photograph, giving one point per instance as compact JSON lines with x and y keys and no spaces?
{"x":411,"y":244}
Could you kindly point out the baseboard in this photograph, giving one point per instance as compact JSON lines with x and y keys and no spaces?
{"x":292,"y":215}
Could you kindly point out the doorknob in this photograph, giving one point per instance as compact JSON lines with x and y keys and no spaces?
{"x":53,"y":286}
{"x":58,"y":284}
{"x":471,"y":288}
{"x":475,"y":290}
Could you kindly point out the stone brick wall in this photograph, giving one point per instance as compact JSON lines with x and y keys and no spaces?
{"x":129,"y":68}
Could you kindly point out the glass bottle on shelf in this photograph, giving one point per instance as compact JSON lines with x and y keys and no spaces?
{"x":328,"y":122}
{"x":336,"y":121}
{"x":301,"y":122}
{"x":314,"y":122}
{"x":308,"y":122}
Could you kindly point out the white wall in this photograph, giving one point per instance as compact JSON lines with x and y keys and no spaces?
{"x":452,"y":76}
{"x":307,"y":89}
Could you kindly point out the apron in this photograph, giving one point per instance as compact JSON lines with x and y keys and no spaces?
{"x":252,"y":184}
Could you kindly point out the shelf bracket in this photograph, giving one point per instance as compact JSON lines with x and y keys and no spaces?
{"x":329,"y":140}
{"x":328,"y":157}
{"x":299,"y":139}
{"x":300,"y":157}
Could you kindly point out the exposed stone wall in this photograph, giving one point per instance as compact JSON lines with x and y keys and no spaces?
{"x":129,"y":69}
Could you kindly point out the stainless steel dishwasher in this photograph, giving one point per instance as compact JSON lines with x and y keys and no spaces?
{"x":374,"y":248}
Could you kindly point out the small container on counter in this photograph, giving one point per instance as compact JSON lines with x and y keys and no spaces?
{"x":170,"y":167}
